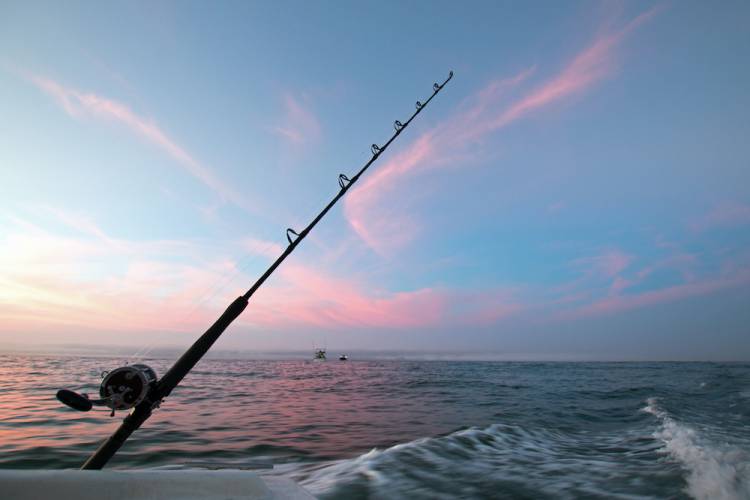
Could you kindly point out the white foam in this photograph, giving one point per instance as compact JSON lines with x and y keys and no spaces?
{"x":715,"y":471}
{"x":473,"y":462}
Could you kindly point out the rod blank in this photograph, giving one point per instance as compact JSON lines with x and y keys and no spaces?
{"x":182,"y":367}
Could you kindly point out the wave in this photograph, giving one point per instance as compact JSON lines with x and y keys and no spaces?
{"x":500,"y":461}
{"x":716,"y":471}
{"x":511,"y":461}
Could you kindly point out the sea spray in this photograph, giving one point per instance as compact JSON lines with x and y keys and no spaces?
{"x":716,"y":471}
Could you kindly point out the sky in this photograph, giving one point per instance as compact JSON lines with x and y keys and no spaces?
{"x":579,"y":190}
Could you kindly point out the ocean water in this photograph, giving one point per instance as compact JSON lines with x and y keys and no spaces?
{"x":412,"y":429}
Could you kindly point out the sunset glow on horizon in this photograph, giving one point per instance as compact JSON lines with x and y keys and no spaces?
{"x":580,"y":188}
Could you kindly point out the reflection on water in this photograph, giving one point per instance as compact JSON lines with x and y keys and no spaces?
{"x":412,"y":429}
{"x":233,"y":410}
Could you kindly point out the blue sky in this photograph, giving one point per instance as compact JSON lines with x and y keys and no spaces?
{"x":580,"y":188}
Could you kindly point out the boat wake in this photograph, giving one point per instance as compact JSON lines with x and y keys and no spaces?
{"x":511,"y":461}
{"x":500,"y":461}
{"x":716,"y":471}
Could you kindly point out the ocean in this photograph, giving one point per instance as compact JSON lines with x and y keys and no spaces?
{"x":388,"y":429}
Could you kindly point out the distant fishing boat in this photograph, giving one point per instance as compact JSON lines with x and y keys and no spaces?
{"x":343,"y":357}
{"x":137,"y":389}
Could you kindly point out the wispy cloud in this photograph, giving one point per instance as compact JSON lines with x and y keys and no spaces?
{"x":588,"y":67}
{"x":386,"y":233}
{"x":613,"y":282}
{"x":93,"y":280}
{"x":299,"y":125}
{"x":81,"y":105}
{"x":268,"y":249}
{"x":727,"y":214}
{"x":80,"y":223}
{"x":608,"y":264}
{"x":314,"y":297}
{"x":484,"y":113}
{"x":620,"y":303}
{"x":88,"y":278}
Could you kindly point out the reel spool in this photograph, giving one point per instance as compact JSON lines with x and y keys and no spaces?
{"x":121,"y":389}
{"x":125,"y":387}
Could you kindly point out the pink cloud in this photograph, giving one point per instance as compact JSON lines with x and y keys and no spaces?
{"x":390,"y":230}
{"x":606,"y":267}
{"x":608,"y":264}
{"x":81,"y":105}
{"x":725,"y":215}
{"x":593,"y":64}
{"x":438,"y":147}
{"x":488,"y":307}
{"x":615,"y":268}
{"x":619,"y":284}
{"x":587,"y":298}
{"x":385,"y":230}
{"x":312,"y":297}
{"x":300,"y":126}
{"x":621,"y":303}
{"x":97,"y":282}
{"x":682,"y":262}
{"x":76,"y":287}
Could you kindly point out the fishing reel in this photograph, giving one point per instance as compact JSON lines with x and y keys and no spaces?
{"x":121,"y":389}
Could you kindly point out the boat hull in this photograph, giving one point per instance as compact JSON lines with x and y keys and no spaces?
{"x":146,"y":485}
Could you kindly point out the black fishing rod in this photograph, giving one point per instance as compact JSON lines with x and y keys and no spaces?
{"x":136,"y":386}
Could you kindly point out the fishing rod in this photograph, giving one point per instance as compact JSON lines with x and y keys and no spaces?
{"x":136,"y":386}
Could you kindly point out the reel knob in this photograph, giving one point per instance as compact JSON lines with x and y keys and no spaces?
{"x":80,"y":402}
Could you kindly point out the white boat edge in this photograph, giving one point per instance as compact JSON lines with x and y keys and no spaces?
{"x":147,"y":485}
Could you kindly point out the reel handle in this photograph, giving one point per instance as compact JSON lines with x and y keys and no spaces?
{"x":80,"y":402}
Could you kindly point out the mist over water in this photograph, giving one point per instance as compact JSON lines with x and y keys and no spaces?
{"x":412,"y":429}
